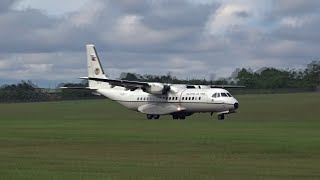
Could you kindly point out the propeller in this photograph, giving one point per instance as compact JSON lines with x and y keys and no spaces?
{"x":166,"y":89}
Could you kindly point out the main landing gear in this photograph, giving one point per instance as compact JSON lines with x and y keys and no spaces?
{"x":176,"y":116}
{"x":221,"y":116}
{"x":153,"y":116}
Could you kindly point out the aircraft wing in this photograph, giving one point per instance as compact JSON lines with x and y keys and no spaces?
{"x":226,"y":86}
{"x":83,"y":88}
{"x":150,"y":87}
{"x":122,"y":83}
{"x":160,"y":108}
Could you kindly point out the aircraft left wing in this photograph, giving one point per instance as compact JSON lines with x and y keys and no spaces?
{"x":84,"y":88}
{"x":226,"y":86}
{"x":150,"y":87}
{"x":160,"y":108}
{"x":122,"y":83}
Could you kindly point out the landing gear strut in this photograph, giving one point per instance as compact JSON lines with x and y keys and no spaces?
{"x":221,"y":116}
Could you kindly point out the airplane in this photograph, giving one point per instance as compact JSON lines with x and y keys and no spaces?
{"x":157,"y":99}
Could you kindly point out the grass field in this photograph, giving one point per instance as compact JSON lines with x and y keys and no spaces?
{"x":272,"y":137}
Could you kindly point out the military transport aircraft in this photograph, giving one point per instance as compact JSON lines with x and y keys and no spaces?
{"x":155,"y":99}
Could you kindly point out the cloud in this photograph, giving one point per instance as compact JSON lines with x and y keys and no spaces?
{"x":189,"y":38}
{"x":5,"y":5}
{"x":294,"y":7}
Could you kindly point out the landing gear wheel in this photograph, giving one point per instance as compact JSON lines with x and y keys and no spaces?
{"x":149,"y":116}
{"x":221,"y":116}
{"x":175,"y":117}
{"x":156,"y":116}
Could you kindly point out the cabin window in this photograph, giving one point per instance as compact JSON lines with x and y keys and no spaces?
{"x":182,"y":98}
{"x":189,"y":98}
{"x":169,"y":98}
{"x":144,"y":99}
{"x":224,"y":95}
{"x":176,"y":98}
{"x":199,"y":98}
{"x":192,"y":98}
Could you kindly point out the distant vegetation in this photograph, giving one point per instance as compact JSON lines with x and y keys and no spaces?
{"x":26,"y":91}
{"x":266,"y":80}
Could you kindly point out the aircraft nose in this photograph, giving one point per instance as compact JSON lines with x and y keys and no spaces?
{"x":236,"y":105}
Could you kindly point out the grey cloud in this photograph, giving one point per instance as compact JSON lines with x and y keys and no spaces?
{"x":165,"y":36}
{"x":179,"y":14}
{"x":242,"y":14}
{"x":295,"y":7}
{"x":5,"y":5}
{"x":308,"y":31}
{"x":132,"y":6}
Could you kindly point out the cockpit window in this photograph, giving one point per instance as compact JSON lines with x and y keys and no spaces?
{"x":229,"y":94}
{"x":224,"y":95}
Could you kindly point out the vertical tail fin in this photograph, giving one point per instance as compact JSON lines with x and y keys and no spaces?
{"x":95,"y":69}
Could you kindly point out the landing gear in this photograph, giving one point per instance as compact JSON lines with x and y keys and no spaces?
{"x":153,"y":116}
{"x":221,"y":116}
{"x":176,"y":116}
{"x":149,"y":116}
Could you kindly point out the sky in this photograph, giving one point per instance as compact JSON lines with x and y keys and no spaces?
{"x":44,"y":41}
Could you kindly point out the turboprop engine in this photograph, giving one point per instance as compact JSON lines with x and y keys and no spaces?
{"x":157,"y":88}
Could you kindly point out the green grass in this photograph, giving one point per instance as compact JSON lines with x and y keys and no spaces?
{"x":272,"y":137}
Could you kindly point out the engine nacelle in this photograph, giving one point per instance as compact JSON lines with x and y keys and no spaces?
{"x":157,"y":88}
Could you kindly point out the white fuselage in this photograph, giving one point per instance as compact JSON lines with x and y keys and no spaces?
{"x":190,"y":100}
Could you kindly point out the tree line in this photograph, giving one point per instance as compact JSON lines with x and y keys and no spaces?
{"x":26,"y":91}
{"x":265,"y":80}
